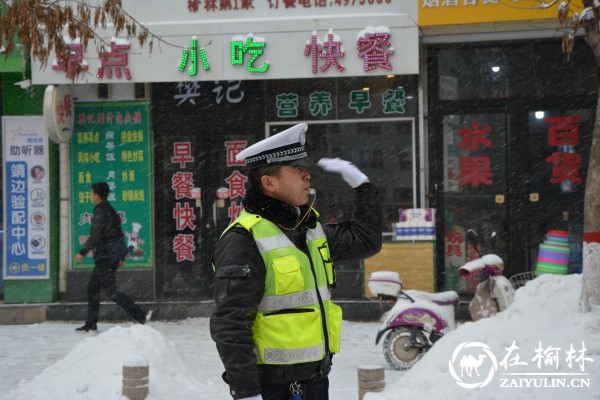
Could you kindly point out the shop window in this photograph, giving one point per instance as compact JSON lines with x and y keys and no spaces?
{"x":382,"y":149}
{"x":139,"y":90}
{"x":517,"y":70}
{"x":376,"y":132}
{"x":103,"y":91}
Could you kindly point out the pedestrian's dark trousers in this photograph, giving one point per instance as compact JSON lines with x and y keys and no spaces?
{"x":316,"y":389}
{"x":103,"y":277}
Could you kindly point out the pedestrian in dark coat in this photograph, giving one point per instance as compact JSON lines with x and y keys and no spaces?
{"x":275,"y":326}
{"x":105,"y":233}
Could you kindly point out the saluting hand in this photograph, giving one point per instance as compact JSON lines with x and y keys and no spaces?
{"x":350,"y":173}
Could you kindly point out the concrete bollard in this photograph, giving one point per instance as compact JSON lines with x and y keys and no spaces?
{"x":136,"y":377}
{"x":371,"y":378}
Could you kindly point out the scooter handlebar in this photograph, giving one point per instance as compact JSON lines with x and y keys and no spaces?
{"x":464,"y":273}
{"x":490,"y":264}
{"x":470,"y":268}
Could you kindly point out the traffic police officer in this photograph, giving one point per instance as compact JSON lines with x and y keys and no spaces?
{"x":275,"y":326}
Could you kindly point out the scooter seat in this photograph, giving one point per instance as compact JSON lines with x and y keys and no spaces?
{"x":447,"y":298}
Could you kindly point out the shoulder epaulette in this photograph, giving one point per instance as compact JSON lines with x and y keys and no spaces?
{"x":249,"y":220}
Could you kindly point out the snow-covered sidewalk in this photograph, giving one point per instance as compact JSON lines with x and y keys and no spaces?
{"x":51,"y":361}
{"x":541,"y":340}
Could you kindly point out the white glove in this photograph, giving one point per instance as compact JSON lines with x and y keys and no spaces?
{"x":352,"y":175}
{"x":257,"y":397}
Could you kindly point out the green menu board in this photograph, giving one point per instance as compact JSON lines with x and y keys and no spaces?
{"x":112,"y":143}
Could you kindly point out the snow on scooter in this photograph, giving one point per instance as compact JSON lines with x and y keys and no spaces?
{"x":415,"y":322}
{"x":418,"y":319}
{"x":495,"y":292}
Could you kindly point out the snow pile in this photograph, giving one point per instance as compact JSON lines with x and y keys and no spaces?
{"x":542,"y":347}
{"x":93,"y":369}
{"x":184,"y":364}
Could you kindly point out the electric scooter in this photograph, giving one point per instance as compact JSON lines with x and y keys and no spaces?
{"x":495,"y":292}
{"x":418,"y":319}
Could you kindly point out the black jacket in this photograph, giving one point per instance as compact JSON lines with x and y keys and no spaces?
{"x":106,"y":225}
{"x":240,"y":279}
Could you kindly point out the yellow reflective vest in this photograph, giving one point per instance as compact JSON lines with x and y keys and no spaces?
{"x":296,"y":321}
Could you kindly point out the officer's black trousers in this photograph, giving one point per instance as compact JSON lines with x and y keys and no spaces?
{"x":316,"y":389}
{"x":103,"y":277}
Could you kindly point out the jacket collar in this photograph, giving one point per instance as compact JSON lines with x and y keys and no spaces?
{"x":280,"y":213}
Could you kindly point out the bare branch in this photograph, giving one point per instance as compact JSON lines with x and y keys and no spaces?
{"x":117,"y":12}
{"x":40,"y":26}
{"x":542,"y":4}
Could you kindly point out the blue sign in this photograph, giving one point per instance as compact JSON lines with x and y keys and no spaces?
{"x":26,"y":225}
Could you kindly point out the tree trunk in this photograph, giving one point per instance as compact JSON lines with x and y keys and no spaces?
{"x":590,"y":294}
{"x":591,"y":224}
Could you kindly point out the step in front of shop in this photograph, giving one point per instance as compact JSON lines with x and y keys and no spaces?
{"x":14,"y":314}
{"x":367,"y":311}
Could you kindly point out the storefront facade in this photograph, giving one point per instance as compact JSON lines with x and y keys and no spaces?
{"x":510,"y":120}
{"x":168,"y":148}
{"x":451,"y":120}
{"x":18,"y":98}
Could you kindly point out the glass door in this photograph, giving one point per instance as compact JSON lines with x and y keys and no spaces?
{"x":518,"y":180}
{"x":558,"y":147}
{"x":474,"y":190}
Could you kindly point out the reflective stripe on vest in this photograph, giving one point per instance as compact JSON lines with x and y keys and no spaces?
{"x":298,"y":299}
{"x":294,"y":356}
{"x":316,"y":233}
{"x":279,"y":241}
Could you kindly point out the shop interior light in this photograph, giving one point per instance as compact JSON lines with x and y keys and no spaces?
{"x":390,"y":75}
{"x":539,"y":114}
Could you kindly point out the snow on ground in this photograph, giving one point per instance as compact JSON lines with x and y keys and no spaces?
{"x":51,"y":361}
{"x":543,"y":322}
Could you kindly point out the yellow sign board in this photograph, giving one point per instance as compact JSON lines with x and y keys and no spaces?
{"x":459,"y":12}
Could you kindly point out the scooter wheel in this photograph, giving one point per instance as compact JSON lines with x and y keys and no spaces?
{"x":400,"y":352}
